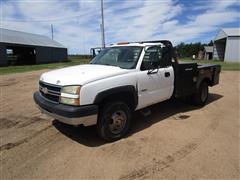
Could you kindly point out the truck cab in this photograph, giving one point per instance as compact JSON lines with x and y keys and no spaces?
{"x":121,"y":79}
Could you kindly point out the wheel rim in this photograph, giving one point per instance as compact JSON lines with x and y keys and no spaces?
{"x":204,"y":93}
{"x":117,"y":122}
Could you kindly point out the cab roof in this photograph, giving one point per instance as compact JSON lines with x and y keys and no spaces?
{"x":143,"y":43}
{"x":136,"y":44}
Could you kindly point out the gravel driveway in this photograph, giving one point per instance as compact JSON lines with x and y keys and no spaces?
{"x":176,"y":141}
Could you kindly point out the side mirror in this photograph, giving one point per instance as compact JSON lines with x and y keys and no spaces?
{"x":154,"y":68}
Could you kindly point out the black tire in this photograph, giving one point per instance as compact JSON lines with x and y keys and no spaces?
{"x":114,"y":121}
{"x":200,"y":98}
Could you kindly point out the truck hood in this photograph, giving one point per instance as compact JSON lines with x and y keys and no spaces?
{"x":81,"y":74}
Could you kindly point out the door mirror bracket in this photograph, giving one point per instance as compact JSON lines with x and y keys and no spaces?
{"x":153,"y":71}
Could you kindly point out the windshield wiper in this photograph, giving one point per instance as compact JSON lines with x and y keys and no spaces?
{"x":110,"y":65}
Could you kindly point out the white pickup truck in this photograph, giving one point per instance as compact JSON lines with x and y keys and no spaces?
{"x":121,"y":79}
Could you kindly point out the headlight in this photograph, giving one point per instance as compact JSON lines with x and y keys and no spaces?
{"x":71,"y":89}
{"x":70,"y":95}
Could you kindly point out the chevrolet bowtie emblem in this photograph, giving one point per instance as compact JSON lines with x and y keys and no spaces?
{"x":45,"y":90}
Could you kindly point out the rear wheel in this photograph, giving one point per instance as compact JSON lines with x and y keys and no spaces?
{"x":114,"y":121}
{"x":200,"y":98}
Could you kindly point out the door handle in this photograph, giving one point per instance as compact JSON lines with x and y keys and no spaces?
{"x":167,"y":74}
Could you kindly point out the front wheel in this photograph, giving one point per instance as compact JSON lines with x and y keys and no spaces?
{"x":114,"y":121}
{"x":200,"y":98}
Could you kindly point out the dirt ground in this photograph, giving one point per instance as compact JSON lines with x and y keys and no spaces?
{"x":176,"y":141}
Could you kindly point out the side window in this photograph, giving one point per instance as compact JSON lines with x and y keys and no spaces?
{"x":166,"y":57}
{"x":152,"y":58}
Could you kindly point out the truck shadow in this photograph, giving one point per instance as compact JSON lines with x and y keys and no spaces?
{"x":176,"y":109}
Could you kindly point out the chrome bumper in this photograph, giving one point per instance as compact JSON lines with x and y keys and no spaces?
{"x":79,"y":115}
{"x":85,"y":120}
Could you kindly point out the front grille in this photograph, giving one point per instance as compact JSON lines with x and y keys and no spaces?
{"x":49,"y":91}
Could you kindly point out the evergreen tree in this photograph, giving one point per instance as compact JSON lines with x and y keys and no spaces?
{"x":188,"y":50}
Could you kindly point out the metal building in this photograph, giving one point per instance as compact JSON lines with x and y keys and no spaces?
{"x":227,"y":45}
{"x":208,"y":52}
{"x":20,"y":48}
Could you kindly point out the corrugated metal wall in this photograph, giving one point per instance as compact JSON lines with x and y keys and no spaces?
{"x":43,"y":54}
{"x":232,"y":53}
{"x":3,"y":55}
{"x":60,"y":54}
{"x":219,"y":50}
{"x":46,"y":55}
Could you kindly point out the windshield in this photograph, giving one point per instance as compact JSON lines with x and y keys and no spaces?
{"x":124,"y":57}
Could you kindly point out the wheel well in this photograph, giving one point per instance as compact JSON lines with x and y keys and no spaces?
{"x":126,"y":97}
{"x":207,"y":80}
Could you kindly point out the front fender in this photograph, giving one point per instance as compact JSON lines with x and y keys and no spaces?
{"x":117,"y":90}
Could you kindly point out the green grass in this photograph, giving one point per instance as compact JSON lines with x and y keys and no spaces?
{"x":226,"y":66}
{"x":73,"y":60}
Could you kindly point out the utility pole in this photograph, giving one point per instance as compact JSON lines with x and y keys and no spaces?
{"x":102,"y":26}
{"x":52,"y":30}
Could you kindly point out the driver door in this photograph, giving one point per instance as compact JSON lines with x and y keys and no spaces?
{"x":152,"y":80}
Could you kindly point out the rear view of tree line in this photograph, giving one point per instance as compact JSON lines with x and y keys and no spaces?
{"x":188,"y":50}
